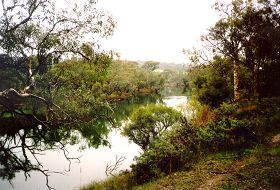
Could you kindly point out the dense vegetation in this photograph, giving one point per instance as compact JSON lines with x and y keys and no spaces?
{"x":56,"y":88}
{"x":236,"y":110}
{"x":148,"y":124}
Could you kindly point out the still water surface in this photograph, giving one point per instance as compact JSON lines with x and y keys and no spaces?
{"x":92,"y":163}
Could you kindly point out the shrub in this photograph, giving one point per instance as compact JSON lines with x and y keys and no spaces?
{"x":167,"y":154}
{"x":226,"y":134}
{"x":228,"y":130}
{"x":149,"y":122}
{"x":184,"y":145}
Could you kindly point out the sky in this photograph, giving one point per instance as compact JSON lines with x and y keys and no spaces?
{"x":157,"y":30}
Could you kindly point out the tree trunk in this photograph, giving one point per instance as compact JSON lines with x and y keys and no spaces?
{"x":257,"y":83}
{"x":235,"y":81}
{"x":170,"y":166}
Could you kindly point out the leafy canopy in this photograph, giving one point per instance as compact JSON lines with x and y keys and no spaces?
{"x":149,"y":123}
{"x":44,"y":99}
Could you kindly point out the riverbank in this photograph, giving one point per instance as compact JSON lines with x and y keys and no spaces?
{"x":256,"y":168}
{"x":236,"y":148}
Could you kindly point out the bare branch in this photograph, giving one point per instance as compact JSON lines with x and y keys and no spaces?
{"x":113,"y":168}
{"x":32,"y":8}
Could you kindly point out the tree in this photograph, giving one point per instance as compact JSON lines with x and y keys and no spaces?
{"x":126,"y":79}
{"x":212,"y":83}
{"x":224,"y":37}
{"x":149,"y":123}
{"x":261,"y":24}
{"x":247,"y":33}
{"x":151,"y":65}
{"x":35,"y":35}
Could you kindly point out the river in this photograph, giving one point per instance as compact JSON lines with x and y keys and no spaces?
{"x":92,"y":164}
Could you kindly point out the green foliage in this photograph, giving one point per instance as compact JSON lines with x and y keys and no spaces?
{"x":181,"y":147}
{"x":43,"y":100}
{"x":261,"y":170}
{"x":212,"y":84}
{"x":149,"y":123}
{"x":175,"y":83}
{"x":239,"y":36}
{"x":226,"y":110}
{"x":167,"y":154}
{"x":151,"y":65}
{"x":230,"y":129}
{"x":78,"y":91}
{"x":123,"y":109}
{"x":123,"y":181}
{"x":264,"y":116}
{"x":226,"y":134}
{"x":128,"y":79}
{"x":226,"y":170}
{"x":230,"y":134}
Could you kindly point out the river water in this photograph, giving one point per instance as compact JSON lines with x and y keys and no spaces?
{"x":92,"y":163}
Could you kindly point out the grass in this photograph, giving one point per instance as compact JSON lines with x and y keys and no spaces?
{"x":121,"y":182}
{"x":197,"y":175}
{"x":256,"y":168}
{"x":261,"y":171}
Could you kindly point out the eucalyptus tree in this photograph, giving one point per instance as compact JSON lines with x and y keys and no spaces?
{"x":225,"y":36}
{"x":247,"y":33}
{"x":38,"y":104}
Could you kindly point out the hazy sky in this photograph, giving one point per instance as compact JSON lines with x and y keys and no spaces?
{"x":157,"y":29}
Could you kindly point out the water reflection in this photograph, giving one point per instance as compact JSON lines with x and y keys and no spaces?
{"x":176,"y":102}
{"x":123,"y":109}
{"x":31,"y":148}
{"x":93,"y":162}
{"x":91,"y":167}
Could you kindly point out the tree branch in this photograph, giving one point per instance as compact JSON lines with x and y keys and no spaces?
{"x":112,"y":168}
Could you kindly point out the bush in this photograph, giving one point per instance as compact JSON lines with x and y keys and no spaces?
{"x":232,"y":128}
{"x":149,"y":122}
{"x":226,"y":134}
{"x":182,"y":146}
{"x":170,"y":153}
